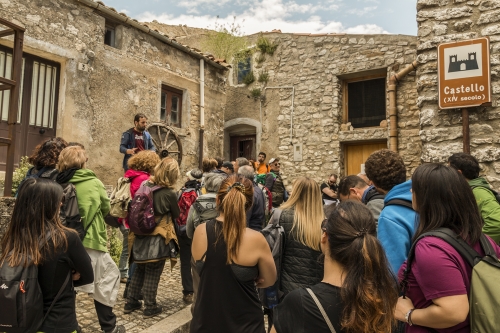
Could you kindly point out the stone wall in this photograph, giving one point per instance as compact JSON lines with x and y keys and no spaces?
{"x":316,"y":66}
{"x":441,"y":130}
{"x":95,"y":107}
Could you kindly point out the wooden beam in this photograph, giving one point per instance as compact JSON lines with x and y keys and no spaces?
{"x":466,"y":130}
{"x":4,"y":87}
{"x":4,"y":141}
{"x":7,"y":81}
{"x":11,"y":25}
{"x":6,"y":32}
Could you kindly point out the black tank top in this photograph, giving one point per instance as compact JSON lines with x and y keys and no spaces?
{"x":224,"y":304}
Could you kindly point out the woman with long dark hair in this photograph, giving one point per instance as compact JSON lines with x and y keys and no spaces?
{"x":230,"y":258}
{"x":36,"y":218}
{"x":358,"y":292}
{"x":439,"y":278}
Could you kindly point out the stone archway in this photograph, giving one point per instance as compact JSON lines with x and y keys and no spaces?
{"x":241,"y":127}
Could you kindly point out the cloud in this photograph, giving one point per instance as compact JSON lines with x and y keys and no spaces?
{"x":362,"y":11}
{"x":366,"y":29}
{"x":265,"y":16}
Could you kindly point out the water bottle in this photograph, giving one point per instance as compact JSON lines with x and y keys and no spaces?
{"x":271,"y":297}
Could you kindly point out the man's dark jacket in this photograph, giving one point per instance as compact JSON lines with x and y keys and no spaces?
{"x":128,"y":142}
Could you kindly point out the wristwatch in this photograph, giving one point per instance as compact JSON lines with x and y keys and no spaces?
{"x":408,"y":317}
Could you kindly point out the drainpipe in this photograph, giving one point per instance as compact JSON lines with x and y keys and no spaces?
{"x":393,"y":111}
{"x":202,"y":110}
{"x":291,"y":112}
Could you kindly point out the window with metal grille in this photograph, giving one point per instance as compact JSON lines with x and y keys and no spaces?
{"x":244,"y":67}
{"x":38,"y":89}
{"x":366,"y":102}
{"x":171,"y":106}
{"x":43,"y":95}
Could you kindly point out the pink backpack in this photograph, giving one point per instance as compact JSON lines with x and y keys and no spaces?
{"x":141,"y":217}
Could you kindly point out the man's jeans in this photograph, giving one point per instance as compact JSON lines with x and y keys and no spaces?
{"x":123,"y":266}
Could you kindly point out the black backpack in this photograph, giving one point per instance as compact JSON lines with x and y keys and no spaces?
{"x":69,"y":212}
{"x":21,"y":299}
{"x":399,"y":202}
{"x":206,"y":209}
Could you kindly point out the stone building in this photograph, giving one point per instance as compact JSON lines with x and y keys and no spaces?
{"x":320,"y":102}
{"x":89,"y":69}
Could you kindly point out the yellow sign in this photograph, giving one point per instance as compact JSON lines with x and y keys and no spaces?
{"x":464,"y":73}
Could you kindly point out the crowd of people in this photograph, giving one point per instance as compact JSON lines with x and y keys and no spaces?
{"x":347,"y":247}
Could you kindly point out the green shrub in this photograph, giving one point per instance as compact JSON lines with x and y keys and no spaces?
{"x":265,"y":46}
{"x":114,"y":245}
{"x":256,"y":92}
{"x":249,"y":78}
{"x":263,"y":77}
{"x":19,"y":174}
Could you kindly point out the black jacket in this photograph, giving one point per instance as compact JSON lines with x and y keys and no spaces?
{"x":300,"y":266}
{"x":274,"y":183}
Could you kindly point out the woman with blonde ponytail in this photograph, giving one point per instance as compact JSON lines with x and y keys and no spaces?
{"x":358,"y":292}
{"x":232,"y":261}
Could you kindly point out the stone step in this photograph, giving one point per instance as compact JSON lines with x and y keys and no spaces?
{"x":177,"y":323}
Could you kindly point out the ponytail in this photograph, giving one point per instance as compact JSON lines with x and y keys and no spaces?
{"x":235,"y":197}
{"x":369,"y":289}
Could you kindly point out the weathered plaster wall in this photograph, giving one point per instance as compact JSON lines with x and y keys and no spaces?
{"x":97,"y":106}
{"x":441,"y":130}
{"x":316,"y":66}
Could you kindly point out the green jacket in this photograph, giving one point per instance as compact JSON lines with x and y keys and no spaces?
{"x":93,"y":203}
{"x":488,"y":206}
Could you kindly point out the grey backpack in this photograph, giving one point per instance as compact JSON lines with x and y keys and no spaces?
{"x":206,"y":209}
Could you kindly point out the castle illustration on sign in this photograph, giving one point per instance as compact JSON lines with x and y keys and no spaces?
{"x":463,"y":65}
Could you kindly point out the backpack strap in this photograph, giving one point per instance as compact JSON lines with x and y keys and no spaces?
{"x":465,"y":250}
{"x":399,"y":202}
{"x":56,"y":298}
{"x":322,"y":310}
{"x":275,"y":217}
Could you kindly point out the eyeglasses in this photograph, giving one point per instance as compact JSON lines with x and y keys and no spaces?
{"x":277,"y":164}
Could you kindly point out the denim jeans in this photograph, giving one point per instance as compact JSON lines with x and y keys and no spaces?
{"x":123,"y":265}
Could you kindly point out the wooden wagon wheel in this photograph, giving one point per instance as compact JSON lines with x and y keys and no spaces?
{"x":166,"y":141}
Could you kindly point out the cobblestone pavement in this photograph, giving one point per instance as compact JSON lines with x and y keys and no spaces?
{"x":169,"y":297}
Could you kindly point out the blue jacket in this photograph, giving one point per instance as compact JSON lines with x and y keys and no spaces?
{"x":128,"y":142}
{"x":396,"y":226}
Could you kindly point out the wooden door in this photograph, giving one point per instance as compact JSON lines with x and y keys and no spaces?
{"x":38,"y":100}
{"x":356,"y":155}
{"x":242,"y":146}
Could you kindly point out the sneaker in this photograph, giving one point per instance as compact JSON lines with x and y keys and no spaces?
{"x":151,"y":312}
{"x":117,"y":329}
{"x":188,"y":298}
{"x":131,"y":307}
{"x":123,"y":280}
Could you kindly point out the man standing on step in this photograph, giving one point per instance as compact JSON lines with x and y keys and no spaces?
{"x":136,"y":139}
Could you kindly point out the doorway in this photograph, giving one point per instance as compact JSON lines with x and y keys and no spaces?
{"x":242,"y":146}
{"x":357,"y":153}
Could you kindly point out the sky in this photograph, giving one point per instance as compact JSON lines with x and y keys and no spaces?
{"x":294,"y":16}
